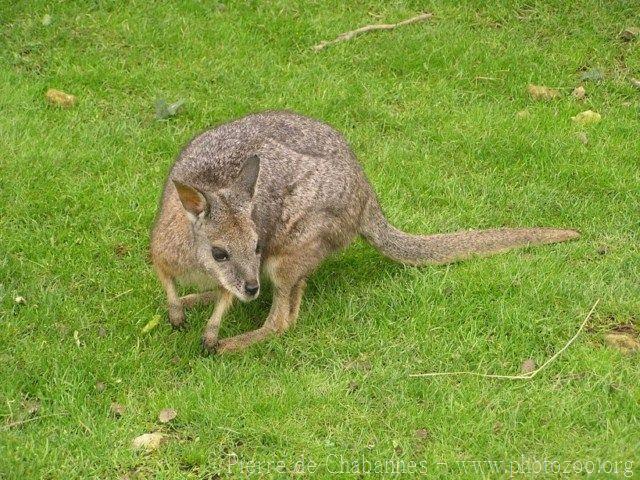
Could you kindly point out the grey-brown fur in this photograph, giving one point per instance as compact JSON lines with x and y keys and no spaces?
{"x":292,"y":186}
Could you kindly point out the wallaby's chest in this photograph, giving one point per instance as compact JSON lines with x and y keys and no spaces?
{"x":198,"y":279}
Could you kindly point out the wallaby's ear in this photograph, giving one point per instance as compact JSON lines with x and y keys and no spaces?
{"x":249,"y":174}
{"x":192,"y":200}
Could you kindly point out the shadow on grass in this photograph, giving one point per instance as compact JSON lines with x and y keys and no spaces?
{"x":355,"y":269}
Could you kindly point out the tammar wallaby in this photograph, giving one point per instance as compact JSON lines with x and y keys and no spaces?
{"x":275,"y":193}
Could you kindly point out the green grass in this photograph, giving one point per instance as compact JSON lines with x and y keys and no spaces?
{"x":445,"y":151}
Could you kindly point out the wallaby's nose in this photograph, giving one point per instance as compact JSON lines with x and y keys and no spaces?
{"x":251,"y":288}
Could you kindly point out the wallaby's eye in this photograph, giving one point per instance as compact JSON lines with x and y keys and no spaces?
{"x":258,"y":249}
{"x":219,"y":255}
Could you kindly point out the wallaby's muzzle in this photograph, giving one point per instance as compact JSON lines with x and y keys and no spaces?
{"x":251,"y":288}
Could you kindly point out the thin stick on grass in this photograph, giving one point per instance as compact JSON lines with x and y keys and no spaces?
{"x":121,"y":294}
{"x":346,"y":36}
{"x":524,"y":376}
{"x":17,"y":423}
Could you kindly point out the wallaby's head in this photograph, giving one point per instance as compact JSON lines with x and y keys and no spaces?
{"x":225,"y":237}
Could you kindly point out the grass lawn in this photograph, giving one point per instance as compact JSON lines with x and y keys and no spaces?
{"x":431,"y":111}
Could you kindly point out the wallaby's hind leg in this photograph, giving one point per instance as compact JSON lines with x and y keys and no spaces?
{"x":210,"y":336}
{"x":276,"y":323}
{"x":204,"y":298}
{"x":288,"y":276}
{"x":176,"y":312}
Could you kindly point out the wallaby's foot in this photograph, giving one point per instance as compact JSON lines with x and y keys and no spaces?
{"x":210,"y":343}
{"x":176,"y":316}
{"x":244,"y":340}
{"x":203,"y":298}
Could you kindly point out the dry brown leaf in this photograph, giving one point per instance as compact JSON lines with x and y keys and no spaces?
{"x":635,"y":82}
{"x":117,"y":409}
{"x":31,"y":407}
{"x":579,"y":93}
{"x":587,"y":117}
{"x":121,"y":250}
{"x":166,"y":415}
{"x":361,"y":363}
{"x":539,"y":92}
{"x":629,"y":33}
{"x":148,"y":441}
{"x":528,"y":366}
{"x":353,"y":386}
{"x":623,"y":342}
{"x":20,"y":300}
{"x":629,"y":328}
{"x":582,"y":137}
{"x":60,"y":99}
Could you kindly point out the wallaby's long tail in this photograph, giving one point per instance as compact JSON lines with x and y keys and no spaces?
{"x":449,"y":247}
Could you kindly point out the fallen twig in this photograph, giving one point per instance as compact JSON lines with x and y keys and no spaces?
{"x":87,"y":429}
{"x":17,"y":423}
{"x":524,"y":376}
{"x":343,"y":37}
{"x":121,"y":294}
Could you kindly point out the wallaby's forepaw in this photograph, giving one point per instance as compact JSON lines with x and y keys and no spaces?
{"x":210,"y":343}
{"x":176,"y":316}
